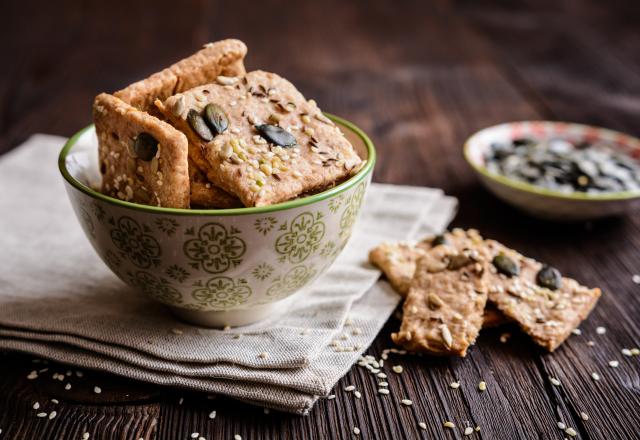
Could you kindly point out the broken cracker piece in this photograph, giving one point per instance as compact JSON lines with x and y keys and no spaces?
{"x":443,"y":311}
{"x":548,"y":316}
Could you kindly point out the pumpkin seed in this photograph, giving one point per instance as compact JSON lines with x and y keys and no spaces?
{"x":438,"y":240}
{"x":276,"y":135}
{"x":506,"y":265}
{"x":145,"y":146}
{"x":458,"y":261}
{"x":199,"y":126}
{"x":549,"y":277}
{"x":216,"y":118}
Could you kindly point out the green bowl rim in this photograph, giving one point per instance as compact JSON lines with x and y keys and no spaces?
{"x":366,"y":169}
{"x":527,"y":187}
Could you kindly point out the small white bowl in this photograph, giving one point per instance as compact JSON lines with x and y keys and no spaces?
{"x":542,"y":202}
{"x":216,"y":267}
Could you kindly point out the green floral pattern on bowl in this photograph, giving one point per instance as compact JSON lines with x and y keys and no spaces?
{"x":206,"y":260}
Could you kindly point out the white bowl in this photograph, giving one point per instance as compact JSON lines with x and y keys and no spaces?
{"x":545,"y":203}
{"x":216,"y":267}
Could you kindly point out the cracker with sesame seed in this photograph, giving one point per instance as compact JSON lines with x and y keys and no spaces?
{"x":443,"y":311}
{"x":245,"y":161}
{"x":142,"y":159}
{"x":547,"y":315}
{"x":224,"y":57}
{"x":206,"y":195}
{"x":398,"y":262}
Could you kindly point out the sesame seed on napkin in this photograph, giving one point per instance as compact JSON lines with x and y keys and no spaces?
{"x":59,"y":301}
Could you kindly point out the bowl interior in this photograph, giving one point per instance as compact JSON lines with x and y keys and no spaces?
{"x":478,"y":145}
{"x":78,"y":164}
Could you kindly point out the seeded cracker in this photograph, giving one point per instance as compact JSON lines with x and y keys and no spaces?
{"x":247,"y":162}
{"x":220,"y":58}
{"x":442,"y":314}
{"x":142,"y":159}
{"x":548,"y":316}
{"x":398,"y":262}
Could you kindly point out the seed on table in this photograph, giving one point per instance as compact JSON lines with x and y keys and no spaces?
{"x":397,"y":369}
{"x":455,"y":385}
{"x":449,"y":424}
{"x":636,"y":279}
{"x":36,"y":405}
{"x":482,"y":386}
{"x":357,"y":394}
{"x":212,"y":415}
{"x":356,"y":430}
{"x":595,"y":376}
{"x":584,"y":416}
{"x":576,"y":331}
{"x":67,"y":386}
{"x":570,"y":431}
{"x":468,"y":430}
{"x":561,"y":425}
{"x":97,"y":390}
{"x":52,"y":415}
{"x":601,"y":330}
{"x":383,"y":391}
{"x":635,"y":351}
{"x":195,"y":434}
{"x":350,"y":388}
{"x":407,"y":402}
{"x":331,"y":396}
{"x":626,"y":352}
{"x":85,"y":436}
{"x":33,"y":375}
{"x":382,"y":375}
{"x":422,"y":425}
{"x":237,"y":437}
{"x":42,"y":414}
{"x":614,"y":364}
{"x":555,"y":381}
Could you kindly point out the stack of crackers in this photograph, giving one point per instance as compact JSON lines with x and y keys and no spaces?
{"x":205,"y":133}
{"x":457,"y":283}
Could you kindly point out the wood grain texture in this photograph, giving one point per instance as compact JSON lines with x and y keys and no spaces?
{"x":419,"y":77}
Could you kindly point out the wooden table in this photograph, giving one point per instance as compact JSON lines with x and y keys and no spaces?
{"x":419,"y":77}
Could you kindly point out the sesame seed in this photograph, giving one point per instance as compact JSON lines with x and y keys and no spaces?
{"x":331,"y":396}
{"x":33,"y":375}
{"x":422,"y":425}
{"x":561,"y":425}
{"x":42,"y":414}
{"x":455,"y":385}
{"x":482,"y":386}
{"x":54,"y":401}
{"x":449,"y":424}
{"x":180,"y":401}
{"x":36,"y":405}
{"x":584,"y":416}
{"x":383,"y":384}
{"x":52,"y":415}
{"x":263,"y":355}
{"x":635,"y":351}
{"x":350,"y":388}
{"x":356,"y":430}
{"x":237,"y":437}
{"x":357,"y":394}
{"x":626,"y":352}
{"x":67,"y":386}
{"x":397,"y":369}
{"x":176,"y":331}
{"x":468,"y":430}
{"x":554,"y":381}
{"x":591,"y":343}
{"x":383,"y":391}
{"x":570,"y":431}
{"x":195,"y":434}
{"x":407,"y":402}
{"x":595,"y":376}
{"x":614,"y":364}
{"x":97,"y":390}
{"x":212,"y":415}
{"x":85,"y":436}
{"x":576,"y":331}
{"x":636,"y":279}
{"x":601,"y":330}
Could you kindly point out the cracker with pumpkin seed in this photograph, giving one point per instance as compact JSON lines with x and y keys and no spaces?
{"x":258,"y":138}
{"x":443,"y":311}
{"x":142,"y":159}
{"x":224,"y":57}
{"x":546,"y":305}
{"x":207,"y":196}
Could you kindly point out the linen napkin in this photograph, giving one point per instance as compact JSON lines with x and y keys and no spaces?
{"x":59,"y":301}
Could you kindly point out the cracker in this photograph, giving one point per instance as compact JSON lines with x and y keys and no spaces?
{"x":548,"y":316}
{"x":220,"y":58}
{"x":443,"y":311}
{"x":205,"y":195}
{"x":241,"y":162}
{"x":163,"y":180}
{"x":398,"y":262}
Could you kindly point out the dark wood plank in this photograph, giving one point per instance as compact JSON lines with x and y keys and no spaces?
{"x":419,"y":78}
